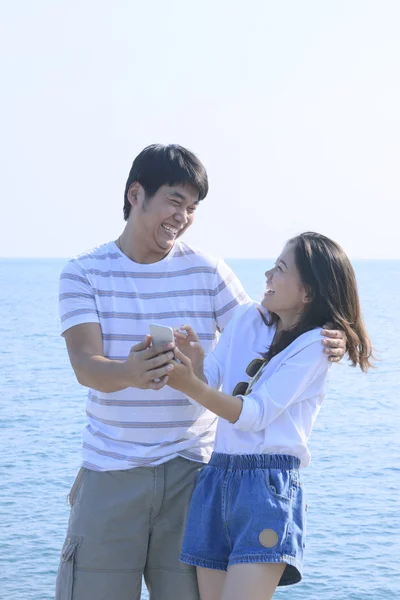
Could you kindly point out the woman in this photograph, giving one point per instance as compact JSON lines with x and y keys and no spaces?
{"x":246,"y":523}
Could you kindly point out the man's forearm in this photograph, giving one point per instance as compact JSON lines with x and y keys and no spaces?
{"x":101,"y":374}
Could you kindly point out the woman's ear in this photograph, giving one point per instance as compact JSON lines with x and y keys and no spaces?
{"x":308,"y":297}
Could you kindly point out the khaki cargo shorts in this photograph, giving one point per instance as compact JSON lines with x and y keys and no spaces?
{"x":124,"y":525}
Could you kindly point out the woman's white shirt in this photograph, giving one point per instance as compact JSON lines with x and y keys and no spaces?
{"x":279,"y":412}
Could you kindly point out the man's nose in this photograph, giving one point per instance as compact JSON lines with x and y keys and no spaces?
{"x":180,"y":217}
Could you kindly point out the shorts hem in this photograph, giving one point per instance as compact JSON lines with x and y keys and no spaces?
{"x":289,"y":577}
{"x":206,"y":563}
{"x":284,"y":558}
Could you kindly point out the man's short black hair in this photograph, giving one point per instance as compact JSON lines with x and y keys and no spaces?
{"x":159,"y":165}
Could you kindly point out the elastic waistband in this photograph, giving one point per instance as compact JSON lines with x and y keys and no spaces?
{"x":254,"y":461}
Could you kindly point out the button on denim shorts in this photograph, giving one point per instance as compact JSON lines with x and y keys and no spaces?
{"x":247,"y":509}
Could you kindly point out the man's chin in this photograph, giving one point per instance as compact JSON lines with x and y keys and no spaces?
{"x":166,"y":246}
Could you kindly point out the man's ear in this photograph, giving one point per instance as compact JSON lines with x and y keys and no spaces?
{"x":134,"y":192}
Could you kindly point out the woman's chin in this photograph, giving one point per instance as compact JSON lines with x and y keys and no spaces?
{"x":267,"y":303}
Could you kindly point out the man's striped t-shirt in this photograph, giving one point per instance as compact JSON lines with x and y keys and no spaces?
{"x":135,"y":427}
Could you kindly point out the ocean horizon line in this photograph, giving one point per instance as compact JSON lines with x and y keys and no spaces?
{"x":249,"y":258}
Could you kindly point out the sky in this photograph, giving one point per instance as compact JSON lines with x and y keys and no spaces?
{"x":292,"y":106}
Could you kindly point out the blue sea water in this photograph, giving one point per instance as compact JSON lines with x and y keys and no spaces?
{"x":353,"y":534}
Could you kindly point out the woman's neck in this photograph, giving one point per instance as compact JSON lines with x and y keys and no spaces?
{"x":287,"y":321}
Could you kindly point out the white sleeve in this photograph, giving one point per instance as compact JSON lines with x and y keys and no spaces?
{"x":77,"y":302}
{"x":286,"y":386}
{"x":228,"y":294}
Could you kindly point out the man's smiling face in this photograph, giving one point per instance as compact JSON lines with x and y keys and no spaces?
{"x":160,"y":220}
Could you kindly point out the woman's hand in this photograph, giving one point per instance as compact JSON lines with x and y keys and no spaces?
{"x":188,"y":343}
{"x":182,"y":377}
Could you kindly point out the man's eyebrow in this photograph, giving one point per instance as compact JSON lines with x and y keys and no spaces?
{"x":177,"y":195}
{"x":180,"y":196}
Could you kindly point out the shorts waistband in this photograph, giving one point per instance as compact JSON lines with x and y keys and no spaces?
{"x":254,"y":461}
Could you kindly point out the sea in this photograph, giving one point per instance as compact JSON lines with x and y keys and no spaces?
{"x":353,"y":482}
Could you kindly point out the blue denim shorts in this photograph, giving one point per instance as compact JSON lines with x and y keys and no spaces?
{"x":247,"y":509}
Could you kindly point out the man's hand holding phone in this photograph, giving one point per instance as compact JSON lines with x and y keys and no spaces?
{"x":185,"y":339}
{"x":146,"y":366}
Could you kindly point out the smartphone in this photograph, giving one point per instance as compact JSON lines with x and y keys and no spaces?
{"x":160,"y":334}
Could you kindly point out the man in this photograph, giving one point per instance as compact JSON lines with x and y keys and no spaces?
{"x":144,"y":443}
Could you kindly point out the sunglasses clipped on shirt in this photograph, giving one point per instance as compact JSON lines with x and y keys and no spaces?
{"x":254,"y":371}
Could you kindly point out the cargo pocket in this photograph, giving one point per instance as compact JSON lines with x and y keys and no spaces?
{"x":65,"y":576}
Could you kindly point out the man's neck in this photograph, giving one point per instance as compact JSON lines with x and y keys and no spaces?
{"x":133,"y":247}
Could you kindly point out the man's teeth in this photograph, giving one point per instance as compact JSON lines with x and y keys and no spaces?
{"x":170,"y":229}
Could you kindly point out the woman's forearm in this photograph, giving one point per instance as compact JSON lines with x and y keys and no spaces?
{"x":227,"y":407}
{"x":199,"y":372}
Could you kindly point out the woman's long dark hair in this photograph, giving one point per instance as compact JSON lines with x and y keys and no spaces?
{"x":328,"y":277}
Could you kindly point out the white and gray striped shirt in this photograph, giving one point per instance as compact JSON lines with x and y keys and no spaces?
{"x":136,"y":427}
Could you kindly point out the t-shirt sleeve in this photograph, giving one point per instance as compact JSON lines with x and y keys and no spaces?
{"x":288,"y":385}
{"x":228,"y":294}
{"x":77,"y":303}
